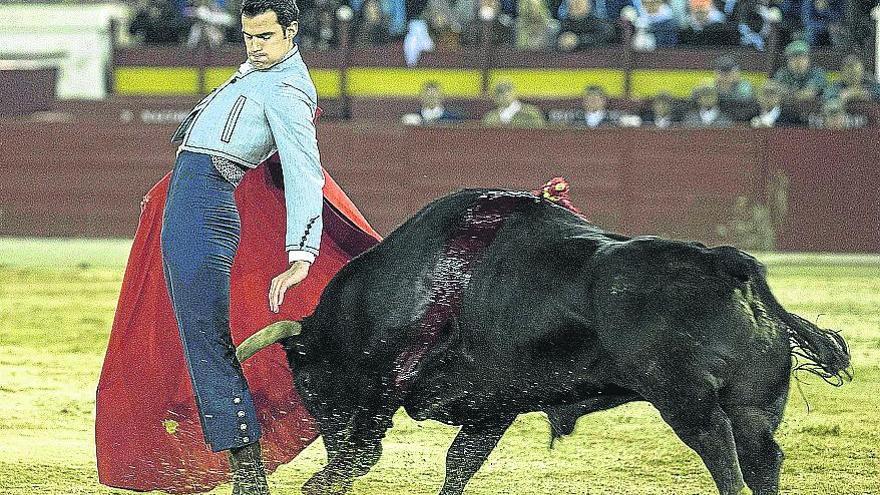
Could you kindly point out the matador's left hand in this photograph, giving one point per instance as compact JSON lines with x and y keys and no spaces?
{"x":295,"y":274}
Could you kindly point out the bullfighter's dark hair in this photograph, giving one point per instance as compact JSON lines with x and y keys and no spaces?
{"x":286,"y":10}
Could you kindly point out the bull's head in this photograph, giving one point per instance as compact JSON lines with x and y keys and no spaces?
{"x":288,"y":333}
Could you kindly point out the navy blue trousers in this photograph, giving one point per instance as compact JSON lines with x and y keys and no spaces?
{"x":200,"y":235}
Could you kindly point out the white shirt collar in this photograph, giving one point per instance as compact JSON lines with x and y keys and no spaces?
{"x":506,"y":115}
{"x":710,"y":115}
{"x":769,"y":118}
{"x":595,"y":118}
{"x":245,"y":68}
{"x":431,"y":114}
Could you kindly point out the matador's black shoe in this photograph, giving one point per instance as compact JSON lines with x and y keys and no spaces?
{"x":248,"y":473}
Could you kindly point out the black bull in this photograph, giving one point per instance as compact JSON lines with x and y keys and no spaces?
{"x":489,"y":304}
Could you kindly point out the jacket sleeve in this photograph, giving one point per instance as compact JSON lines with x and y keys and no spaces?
{"x":290,"y":114}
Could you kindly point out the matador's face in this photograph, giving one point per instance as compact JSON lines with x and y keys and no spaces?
{"x":266,"y":40}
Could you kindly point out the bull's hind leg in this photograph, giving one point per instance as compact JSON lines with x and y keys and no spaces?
{"x":759,"y":455}
{"x":468,"y":452}
{"x":704,"y":427}
{"x":755,"y":401}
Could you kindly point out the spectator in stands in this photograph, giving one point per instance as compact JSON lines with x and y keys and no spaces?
{"x":158,"y":21}
{"x":752,"y":19}
{"x":593,"y":112}
{"x":861,"y":29}
{"x":689,"y":11}
{"x":661,"y":114}
{"x":210,"y":21}
{"x":395,"y":11}
{"x":707,"y":113}
{"x":729,"y":83}
{"x":501,"y":25}
{"x":611,"y":9}
{"x":834,"y":116}
{"x":509,"y":111}
{"x":823,"y":21}
{"x":318,"y":30}
{"x":680,"y":10}
{"x":772,"y":113}
{"x":449,"y":17}
{"x":441,"y":26}
{"x":233,"y":29}
{"x":464,"y":12}
{"x":656,"y":19}
{"x":595,"y":106}
{"x":790,"y":27}
{"x":433,"y":109}
{"x":854,"y":83}
{"x":705,"y":26}
{"x":417,"y":41}
{"x":535,"y":28}
{"x":371,"y":26}
{"x":582,"y":29}
{"x":415,"y":8}
{"x":800,"y":81}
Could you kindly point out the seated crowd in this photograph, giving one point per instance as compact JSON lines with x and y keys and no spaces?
{"x":565,"y":25}
{"x":799,"y":94}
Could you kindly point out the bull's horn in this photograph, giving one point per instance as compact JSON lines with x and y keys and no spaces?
{"x":266,"y":337}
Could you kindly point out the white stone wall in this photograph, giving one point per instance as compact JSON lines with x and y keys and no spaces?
{"x":74,"y":38}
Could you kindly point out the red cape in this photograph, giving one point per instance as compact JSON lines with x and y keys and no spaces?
{"x":147,"y":430}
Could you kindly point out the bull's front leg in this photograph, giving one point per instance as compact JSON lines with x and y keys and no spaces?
{"x":469,"y":451}
{"x":334,"y":429}
{"x":355,"y":448}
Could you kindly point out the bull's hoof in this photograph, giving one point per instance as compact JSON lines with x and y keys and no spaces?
{"x":327,"y":484}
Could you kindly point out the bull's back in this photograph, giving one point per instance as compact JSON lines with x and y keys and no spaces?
{"x":682,"y":308}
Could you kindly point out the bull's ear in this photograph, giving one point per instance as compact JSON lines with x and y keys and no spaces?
{"x":266,"y":337}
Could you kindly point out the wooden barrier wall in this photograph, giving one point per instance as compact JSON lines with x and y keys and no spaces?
{"x":87,"y":177}
{"x":381,"y":71}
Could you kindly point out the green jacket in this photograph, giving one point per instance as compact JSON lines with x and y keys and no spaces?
{"x":814,"y":78}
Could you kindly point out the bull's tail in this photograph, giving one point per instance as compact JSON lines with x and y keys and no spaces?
{"x":819,"y":351}
{"x":816,"y":350}
{"x":273,"y":333}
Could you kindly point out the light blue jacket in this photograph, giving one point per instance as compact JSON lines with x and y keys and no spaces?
{"x":255,"y":113}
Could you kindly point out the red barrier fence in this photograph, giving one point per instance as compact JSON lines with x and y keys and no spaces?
{"x":86,"y":178}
